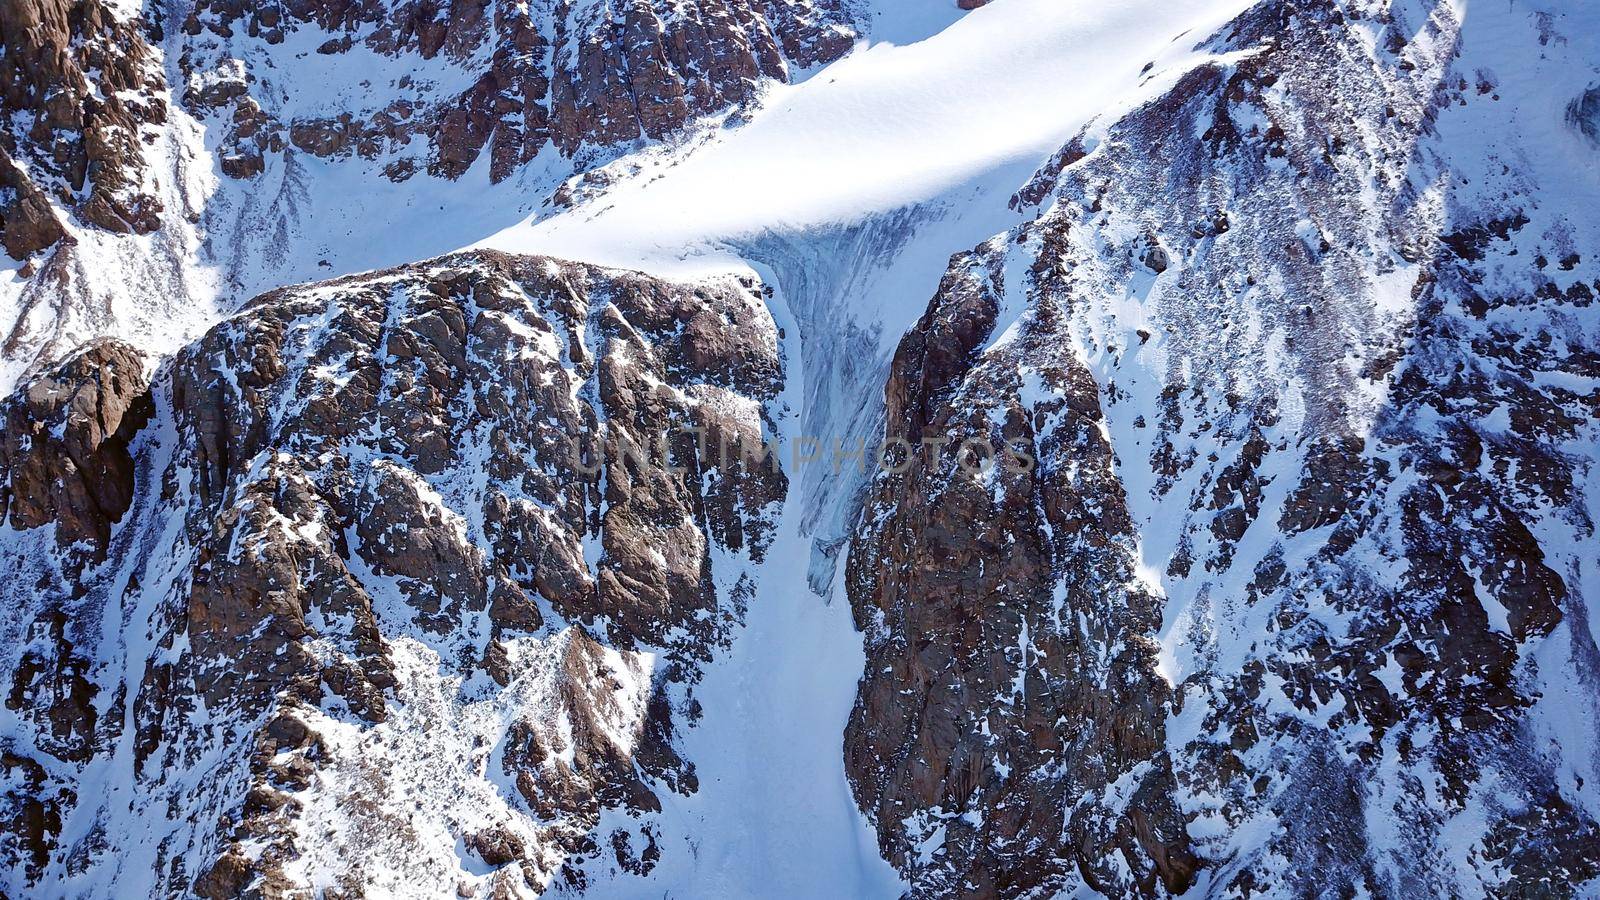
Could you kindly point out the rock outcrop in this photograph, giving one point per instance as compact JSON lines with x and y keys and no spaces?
{"x":509,"y":79}
{"x":1281,"y":607}
{"x":364,"y":513}
{"x":79,"y":90}
{"x":159,"y":164}
{"x":84,"y":92}
{"x":1244,"y":545}
{"x":64,"y":447}
{"x":1009,"y":734}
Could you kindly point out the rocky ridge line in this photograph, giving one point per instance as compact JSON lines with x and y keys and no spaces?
{"x":360,"y":571}
{"x":1287,"y":600}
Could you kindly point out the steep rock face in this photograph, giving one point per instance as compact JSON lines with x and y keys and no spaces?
{"x":84,"y":120}
{"x":1009,"y":732}
{"x":64,"y":462}
{"x":404,"y":568}
{"x":64,"y":452}
{"x":454,"y":79}
{"x":1296,"y":598}
{"x":30,"y":223}
{"x":96,"y":207}
{"x":79,"y":89}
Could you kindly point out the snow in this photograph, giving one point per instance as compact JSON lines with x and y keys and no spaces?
{"x":887,"y":128}
{"x":850,"y":190}
{"x":145,"y":288}
{"x":846,"y":193}
{"x":774,"y":815}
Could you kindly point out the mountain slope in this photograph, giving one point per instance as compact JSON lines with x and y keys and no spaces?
{"x":161,"y":163}
{"x":1277,"y":320}
{"x":1298,"y":596}
{"x":359,"y":622}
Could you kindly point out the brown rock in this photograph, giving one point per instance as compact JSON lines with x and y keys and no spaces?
{"x":28,"y":224}
{"x":64,"y":452}
{"x":85,"y":140}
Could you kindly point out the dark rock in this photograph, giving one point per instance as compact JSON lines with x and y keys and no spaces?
{"x":84,"y":143}
{"x":28,"y":223}
{"x":64,"y":452}
{"x":379,"y":459}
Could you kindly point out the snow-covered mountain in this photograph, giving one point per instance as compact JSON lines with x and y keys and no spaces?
{"x":166,"y":161}
{"x":819,"y":449}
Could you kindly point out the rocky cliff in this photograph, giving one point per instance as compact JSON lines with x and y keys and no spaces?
{"x":1240,"y":540}
{"x":435,"y":84}
{"x":338,"y":599}
{"x":79,"y":87}
{"x":1292,"y":603}
{"x":160,"y":163}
